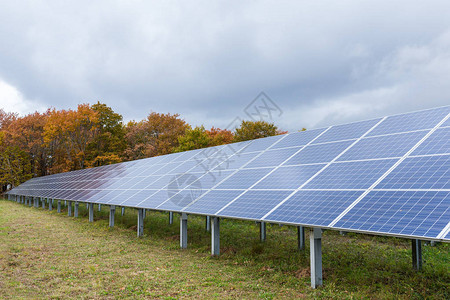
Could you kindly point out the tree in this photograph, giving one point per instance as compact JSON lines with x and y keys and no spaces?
{"x":109,"y":137}
{"x":194,"y":138}
{"x":156,"y":135}
{"x":15,"y":166}
{"x":68,"y":133}
{"x":250,"y":130}
{"x":220,"y":136}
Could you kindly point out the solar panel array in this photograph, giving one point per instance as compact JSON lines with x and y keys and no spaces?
{"x":386,"y":176}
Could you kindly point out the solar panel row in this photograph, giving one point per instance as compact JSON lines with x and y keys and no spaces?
{"x":387,"y":176}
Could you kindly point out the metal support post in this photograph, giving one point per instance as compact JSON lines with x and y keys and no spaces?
{"x":29,"y":201}
{"x":417,"y":254}
{"x":123,"y":210}
{"x":43,"y":202}
{"x":112,"y":212}
{"x":69,"y":208}
{"x":50,"y":204}
{"x":99,"y":207}
{"x":170,"y":218}
{"x":75,"y":213}
{"x":183,"y":230}
{"x":262,"y":231}
{"x":140,"y":223}
{"x":208,"y":223}
{"x":145,"y":212}
{"x":215,"y":236}
{"x":315,"y":244}
{"x":301,"y":237}
{"x":91,"y":212}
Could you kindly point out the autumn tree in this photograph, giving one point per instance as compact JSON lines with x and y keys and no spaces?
{"x":193,"y":138}
{"x":108,"y":141}
{"x":68,"y":133}
{"x":156,"y":135}
{"x":15,"y":166}
{"x":249,"y":130}
{"x":219,"y":136}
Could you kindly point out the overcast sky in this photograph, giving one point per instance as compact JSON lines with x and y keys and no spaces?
{"x":320,"y":62}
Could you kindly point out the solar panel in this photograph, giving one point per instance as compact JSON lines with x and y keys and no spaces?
{"x":411,"y":213}
{"x":428,"y":172}
{"x":386,"y":176}
{"x":321,"y":207}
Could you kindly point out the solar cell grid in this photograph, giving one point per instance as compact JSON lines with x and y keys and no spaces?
{"x":346,"y":131}
{"x":298,"y":139}
{"x":429,"y":172}
{"x":291,"y":177}
{"x":350,"y":175}
{"x":383,"y":146}
{"x":243,"y":179}
{"x":254,"y":204}
{"x":321,"y":153}
{"x":313,"y":207}
{"x":272,"y":158}
{"x":212,"y":201}
{"x":437,"y":143}
{"x":420,"y":213}
{"x":425,"y":119}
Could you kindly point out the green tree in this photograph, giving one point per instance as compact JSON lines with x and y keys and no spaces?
{"x":249,"y":130}
{"x":194,"y":138}
{"x":109,"y":138}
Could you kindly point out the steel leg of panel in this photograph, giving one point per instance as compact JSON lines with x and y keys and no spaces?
{"x":208,"y":223}
{"x":140,"y":223}
{"x":99,"y":207}
{"x":112,"y":213}
{"x":301,"y":237}
{"x":50,"y":204}
{"x":69,"y":208}
{"x":215,"y":236}
{"x":75,"y":212}
{"x":262,"y":231}
{"x":123,"y":210}
{"x":417,"y":254}
{"x":170,"y":218}
{"x":59,"y":206}
{"x":183,"y":230}
{"x":91,"y":212}
{"x":315,"y":239}
{"x":43,"y":202}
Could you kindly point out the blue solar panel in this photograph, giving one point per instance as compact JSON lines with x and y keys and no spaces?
{"x":298,"y":139}
{"x":438,"y":142}
{"x":154,"y":200}
{"x":210,"y":179}
{"x":288,"y":177}
{"x":138,"y":197}
{"x":319,"y":153}
{"x":236,"y":161}
{"x":446,"y":123}
{"x":383,"y":146}
{"x":254,"y":204}
{"x":178,"y":199}
{"x":351,"y":175}
{"x":429,"y":172}
{"x":213,"y":201}
{"x":412,"y":213}
{"x":272,"y":158}
{"x":313,"y":207}
{"x":425,"y":119}
{"x":346,"y":131}
{"x":243,"y":179}
{"x":122,"y":196}
{"x":261,"y":144}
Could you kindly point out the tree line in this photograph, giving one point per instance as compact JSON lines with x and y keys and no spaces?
{"x":55,"y":141}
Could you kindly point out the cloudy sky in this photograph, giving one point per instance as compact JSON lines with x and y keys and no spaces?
{"x":320,"y":62}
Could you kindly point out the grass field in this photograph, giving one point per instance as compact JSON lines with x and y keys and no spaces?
{"x":49,"y":255}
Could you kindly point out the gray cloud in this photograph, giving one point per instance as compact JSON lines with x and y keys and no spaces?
{"x":321,"y":62}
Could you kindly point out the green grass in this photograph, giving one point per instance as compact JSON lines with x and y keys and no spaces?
{"x":49,"y":255}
